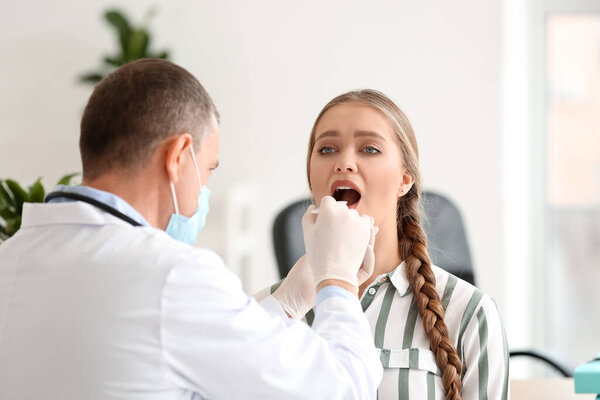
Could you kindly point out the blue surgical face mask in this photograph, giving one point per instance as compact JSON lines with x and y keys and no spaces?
{"x":186,"y":229}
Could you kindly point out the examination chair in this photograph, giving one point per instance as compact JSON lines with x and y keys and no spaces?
{"x":446,"y":241}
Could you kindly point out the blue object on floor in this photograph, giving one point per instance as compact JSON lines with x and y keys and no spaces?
{"x":587,"y":377}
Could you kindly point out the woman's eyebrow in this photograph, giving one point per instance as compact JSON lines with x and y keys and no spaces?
{"x":327,"y":134}
{"x":369,"y":133}
{"x":360,"y":133}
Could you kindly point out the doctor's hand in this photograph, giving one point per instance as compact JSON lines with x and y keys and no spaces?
{"x":297,"y":293}
{"x":336,"y":241}
{"x":368,"y":264}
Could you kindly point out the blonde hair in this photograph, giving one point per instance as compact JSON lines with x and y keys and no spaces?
{"x":411,"y":236}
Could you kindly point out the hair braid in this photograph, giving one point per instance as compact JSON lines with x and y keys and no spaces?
{"x":413,"y":248}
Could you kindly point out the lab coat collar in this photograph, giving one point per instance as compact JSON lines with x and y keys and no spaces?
{"x":108,"y":198}
{"x":73,"y":212}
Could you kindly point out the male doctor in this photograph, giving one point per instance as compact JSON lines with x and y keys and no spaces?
{"x":102,"y":296}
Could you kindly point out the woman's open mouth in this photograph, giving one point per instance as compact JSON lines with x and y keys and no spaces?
{"x":346,"y":191}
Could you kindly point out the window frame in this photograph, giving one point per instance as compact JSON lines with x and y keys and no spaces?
{"x":543,"y":11}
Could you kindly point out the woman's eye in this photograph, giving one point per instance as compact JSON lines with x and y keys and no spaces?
{"x":371,"y":150}
{"x":326,"y":150}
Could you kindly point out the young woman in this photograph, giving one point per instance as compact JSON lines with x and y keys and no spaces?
{"x":439,"y":337}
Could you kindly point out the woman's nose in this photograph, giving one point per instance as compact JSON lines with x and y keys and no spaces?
{"x":345,"y":164}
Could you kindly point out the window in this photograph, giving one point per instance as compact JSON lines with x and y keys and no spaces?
{"x":572,"y":199}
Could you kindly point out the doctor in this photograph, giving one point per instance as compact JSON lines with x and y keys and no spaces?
{"x":102,"y":296}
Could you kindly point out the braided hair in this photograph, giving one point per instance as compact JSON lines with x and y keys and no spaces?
{"x":411,"y":236}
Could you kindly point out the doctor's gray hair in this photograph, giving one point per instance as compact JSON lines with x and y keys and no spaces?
{"x":135,"y":108}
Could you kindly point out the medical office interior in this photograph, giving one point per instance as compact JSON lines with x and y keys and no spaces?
{"x":503,"y":95}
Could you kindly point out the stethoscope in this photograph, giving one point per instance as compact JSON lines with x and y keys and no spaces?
{"x":94,"y":202}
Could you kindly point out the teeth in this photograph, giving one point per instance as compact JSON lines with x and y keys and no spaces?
{"x":343,"y":188}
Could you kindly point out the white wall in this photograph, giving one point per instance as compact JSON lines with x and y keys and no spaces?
{"x":270,"y":66}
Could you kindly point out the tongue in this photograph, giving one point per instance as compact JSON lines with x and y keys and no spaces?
{"x":351,"y":196}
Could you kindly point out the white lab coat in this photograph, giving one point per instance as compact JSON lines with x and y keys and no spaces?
{"x":93,"y":308}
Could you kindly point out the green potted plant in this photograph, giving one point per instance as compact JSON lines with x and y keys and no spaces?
{"x":12,"y":197}
{"x":134,"y":43}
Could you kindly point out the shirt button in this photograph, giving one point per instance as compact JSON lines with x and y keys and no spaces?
{"x":372,"y":291}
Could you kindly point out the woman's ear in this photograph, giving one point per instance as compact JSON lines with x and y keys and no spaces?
{"x":175,"y":149}
{"x":407,"y":182}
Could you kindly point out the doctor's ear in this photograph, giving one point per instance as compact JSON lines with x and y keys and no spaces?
{"x":176,"y":150}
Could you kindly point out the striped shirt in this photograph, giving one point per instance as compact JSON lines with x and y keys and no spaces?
{"x":410,"y":369}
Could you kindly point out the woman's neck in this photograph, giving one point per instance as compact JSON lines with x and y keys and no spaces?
{"x":387,"y":254}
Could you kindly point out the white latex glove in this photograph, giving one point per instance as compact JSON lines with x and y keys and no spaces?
{"x":368,"y":264}
{"x":336,"y":241}
{"x":297,"y":293}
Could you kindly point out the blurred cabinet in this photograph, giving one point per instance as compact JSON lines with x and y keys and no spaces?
{"x":546,"y":389}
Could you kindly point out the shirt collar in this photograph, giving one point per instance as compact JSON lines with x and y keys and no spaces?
{"x":107,"y":198}
{"x":398,"y":278}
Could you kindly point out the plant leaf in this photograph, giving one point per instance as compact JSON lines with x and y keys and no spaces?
{"x":92,"y":77}
{"x":138,"y":44}
{"x":114,"y":61}
{"x":164,"y":55}
{"x":13,"y":225}
{"x":66,"y":179}
{"x":19,"y":194}
{"x":7,"y":214}
{"x":3,"y":233}
{"x":37,"y":192}
{"x":7,"y":198}
{"x":118,"y":20}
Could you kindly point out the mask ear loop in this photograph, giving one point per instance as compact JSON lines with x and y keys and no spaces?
{"x":195,"y":165}
{"x":197,"y":176}
{"x":174,"y":198}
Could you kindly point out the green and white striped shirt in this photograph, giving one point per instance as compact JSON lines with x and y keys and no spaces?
{"x":410,"y":369}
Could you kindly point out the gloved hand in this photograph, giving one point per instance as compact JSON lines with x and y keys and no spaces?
{"x":368,"y":264}
{"x":336,"y":241}
{"x":297,"y":293}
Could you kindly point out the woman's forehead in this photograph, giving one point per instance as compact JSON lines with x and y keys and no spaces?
{"x":348,"y":118}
